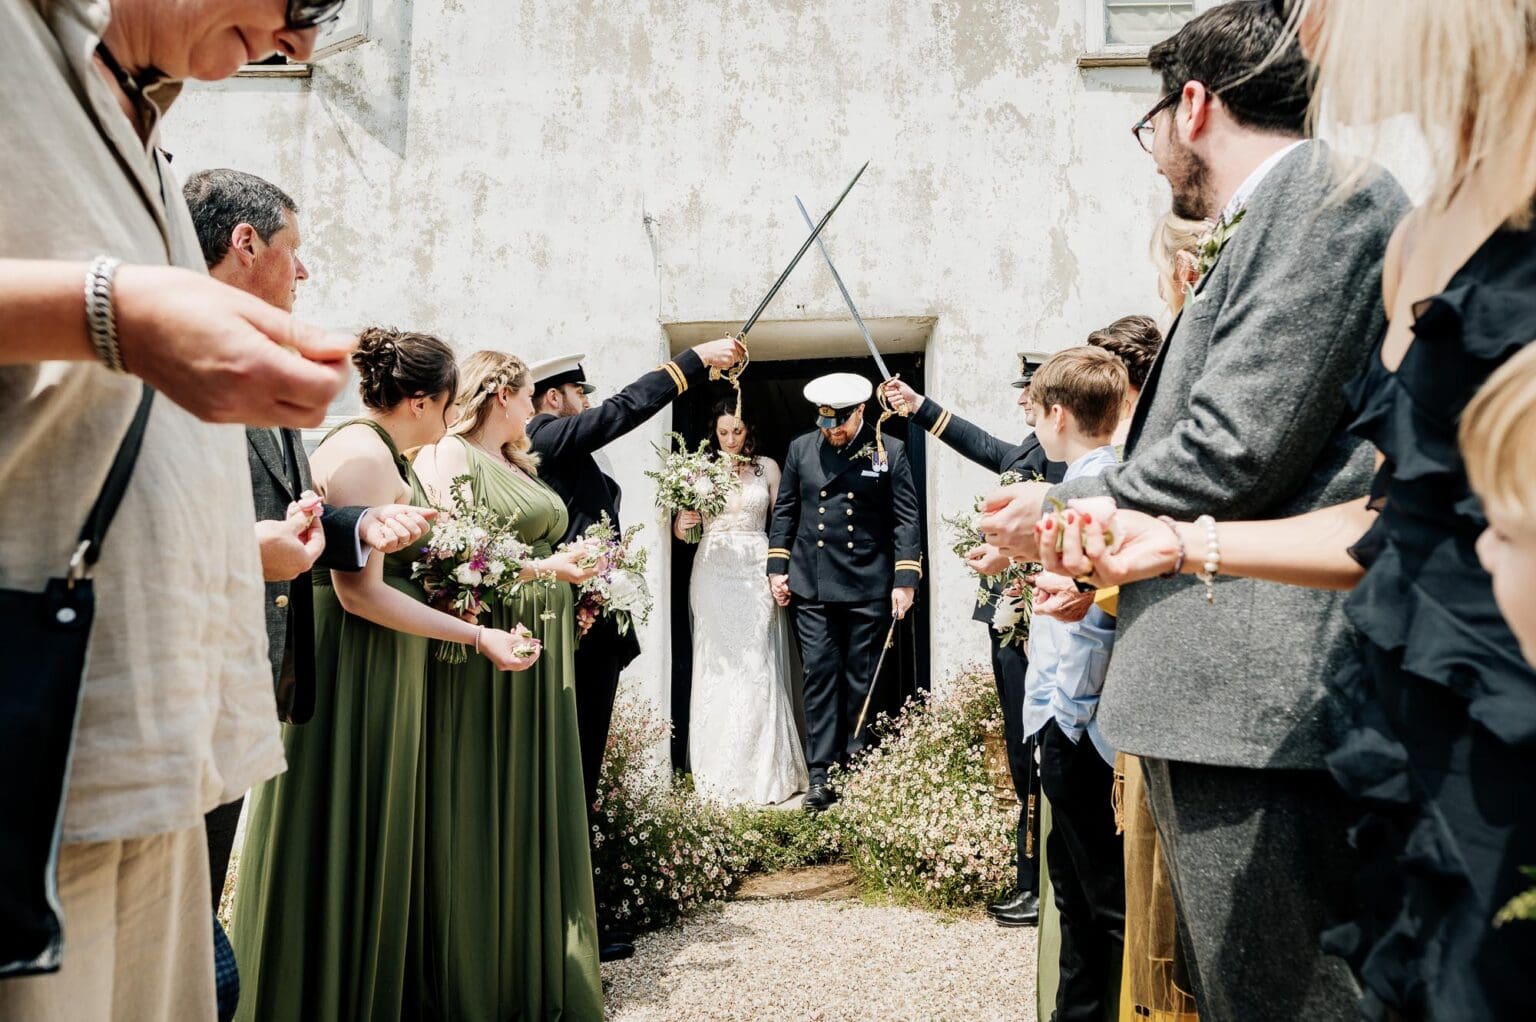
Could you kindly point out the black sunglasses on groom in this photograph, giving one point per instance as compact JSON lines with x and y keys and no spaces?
{"x":304,"y":14}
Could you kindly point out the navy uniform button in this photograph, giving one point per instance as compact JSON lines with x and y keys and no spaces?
{"x":822,"y":527}
{"x":850,"y":495}
{"x":821,"y":510}
{"x":820,"y":543}
{"x":849,"y":512}
{"x":850,"y":546}
{"x":850,"y":528}
{"x":823,"y":493}
{"x":280,"y":602}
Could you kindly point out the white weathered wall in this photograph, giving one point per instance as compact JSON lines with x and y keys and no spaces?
{"x":486,"y":170}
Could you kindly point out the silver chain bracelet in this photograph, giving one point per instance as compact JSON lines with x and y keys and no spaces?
{"x":100,"y":317}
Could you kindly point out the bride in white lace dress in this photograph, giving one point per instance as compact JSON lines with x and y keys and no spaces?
{"x":742,"y":741}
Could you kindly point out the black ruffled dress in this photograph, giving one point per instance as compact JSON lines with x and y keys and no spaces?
{"x":1443,"y":749}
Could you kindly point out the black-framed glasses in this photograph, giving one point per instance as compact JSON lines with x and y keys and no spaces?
{"x":1143,"y":129}
{"x":307,"y":14}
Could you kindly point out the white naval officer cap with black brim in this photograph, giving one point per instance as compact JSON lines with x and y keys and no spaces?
{"x":556,"y":372}
{"x":836,"y":396}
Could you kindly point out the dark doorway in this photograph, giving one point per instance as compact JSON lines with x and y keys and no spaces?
{"x":772,"y":401}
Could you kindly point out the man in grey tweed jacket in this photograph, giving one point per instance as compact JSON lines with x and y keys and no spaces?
{"x":1244,"y":416}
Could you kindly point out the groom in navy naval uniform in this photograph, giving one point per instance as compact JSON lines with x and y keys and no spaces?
{"x":1010,"y":661}
{"x":845,"y":550}
{"x":567,"y":433}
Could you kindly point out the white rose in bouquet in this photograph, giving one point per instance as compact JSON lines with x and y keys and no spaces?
{"x":1010,"y":611}
{"x":465,"y":574}
{"x":627,"y":591}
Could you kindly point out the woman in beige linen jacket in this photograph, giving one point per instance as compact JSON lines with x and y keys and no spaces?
{"x":176,"y":712}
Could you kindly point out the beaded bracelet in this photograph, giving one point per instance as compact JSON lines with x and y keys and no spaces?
{"x":100,"y":317}
{"x":1178,"y":537}
{"x":1212,"y":563}
{"x":479,"y":630}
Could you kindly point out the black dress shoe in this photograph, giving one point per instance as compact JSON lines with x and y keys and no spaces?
{"x":615,"y":936}
{"x":1027,"y":913}
{"x":1009,"y":903}
{"x":820,"y":797}
{"x":615,"y":950}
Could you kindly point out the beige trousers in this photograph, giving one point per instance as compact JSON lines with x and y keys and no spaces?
{"x":138,"y":936}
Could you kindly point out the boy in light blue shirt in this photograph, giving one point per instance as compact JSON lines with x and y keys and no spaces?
{"x":1078,"y":396}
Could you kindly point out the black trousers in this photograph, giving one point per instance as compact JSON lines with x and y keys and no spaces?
{"x":220,"y":824}
{"x":597,"y":671}
{"x":1087,"y":863}
{"x":1009,"y":666}
{"x":839,"y":648}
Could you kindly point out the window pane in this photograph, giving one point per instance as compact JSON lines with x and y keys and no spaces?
{"x":1144,"y":22}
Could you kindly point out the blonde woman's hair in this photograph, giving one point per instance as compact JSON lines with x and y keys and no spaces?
{"x":1175,"y":244}
{"x":1463,"y":70}
{"x":1498,"y":433}
{"x":482,"y":376}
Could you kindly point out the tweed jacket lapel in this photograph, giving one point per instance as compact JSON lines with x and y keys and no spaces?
{"x":264,"y":445}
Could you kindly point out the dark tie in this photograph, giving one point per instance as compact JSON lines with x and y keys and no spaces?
{"x":291,"y":463}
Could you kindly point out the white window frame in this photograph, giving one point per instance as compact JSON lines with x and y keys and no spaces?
{"x":347,"y":31}
{"x":1099,"y":51}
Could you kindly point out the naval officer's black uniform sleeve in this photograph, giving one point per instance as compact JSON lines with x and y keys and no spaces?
{"x":786,"y":513}
{"x":976,"y":444}
{"x":615,"y":416}
{"x":906,"y":527}
{"x":341,"y":539}
{"x":964,"y":437}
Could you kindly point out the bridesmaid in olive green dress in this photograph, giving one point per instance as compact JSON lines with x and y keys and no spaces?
{"x":326,"y":908}
{"x":511,"y":923}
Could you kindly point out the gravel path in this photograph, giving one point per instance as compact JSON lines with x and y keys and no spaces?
{"x":826,"y":961}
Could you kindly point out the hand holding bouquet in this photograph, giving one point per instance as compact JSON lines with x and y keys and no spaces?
{"x":694,"y":481}
{"x":616,"y":588}
{"x":1006,"y":588}
{"x":473,"y":559}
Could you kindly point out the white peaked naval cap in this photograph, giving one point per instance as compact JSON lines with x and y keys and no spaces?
{"x":553,"y":372}
{"x":836,"y":395}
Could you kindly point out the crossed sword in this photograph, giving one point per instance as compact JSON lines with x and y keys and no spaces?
{"x":885,"y":375}
{"x":734,"y":374}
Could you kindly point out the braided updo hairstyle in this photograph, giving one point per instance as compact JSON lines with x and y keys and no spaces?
{"x":486,"y":374}
{"x":397,"y":365}
{"x":1134,"y":340}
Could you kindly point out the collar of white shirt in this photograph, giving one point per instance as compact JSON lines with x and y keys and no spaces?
{"x":1252,"y":181}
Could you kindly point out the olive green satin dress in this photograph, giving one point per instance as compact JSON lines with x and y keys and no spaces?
{"x":511,"y":923}
{"x":327,"y":908}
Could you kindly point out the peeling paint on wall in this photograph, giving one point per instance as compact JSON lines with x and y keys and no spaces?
{"x":485,"y":171}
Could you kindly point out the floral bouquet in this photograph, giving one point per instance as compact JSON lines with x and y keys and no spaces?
{"x":694,"y":481}
{"x":1009,"y":591}
{"x":472,"y":559}
{"x":618,"y":590}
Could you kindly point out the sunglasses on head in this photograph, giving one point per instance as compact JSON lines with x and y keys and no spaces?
{"x":305,"y":14}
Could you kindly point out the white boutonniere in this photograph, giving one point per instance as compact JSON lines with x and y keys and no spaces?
{"x":1209,"y":250}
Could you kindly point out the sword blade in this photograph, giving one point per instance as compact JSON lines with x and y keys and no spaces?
{"x":796,"y":260}
{"x":889,"y":635}
{"x":885,"y":374}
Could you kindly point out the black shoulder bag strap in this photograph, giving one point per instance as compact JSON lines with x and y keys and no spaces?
{"x":46,"y":636}
{"x":88,"y":552}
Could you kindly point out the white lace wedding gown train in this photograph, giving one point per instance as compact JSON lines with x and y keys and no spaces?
{"x":742,"y":741}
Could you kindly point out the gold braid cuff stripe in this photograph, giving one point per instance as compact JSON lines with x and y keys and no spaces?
{"x":678,"y":378}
